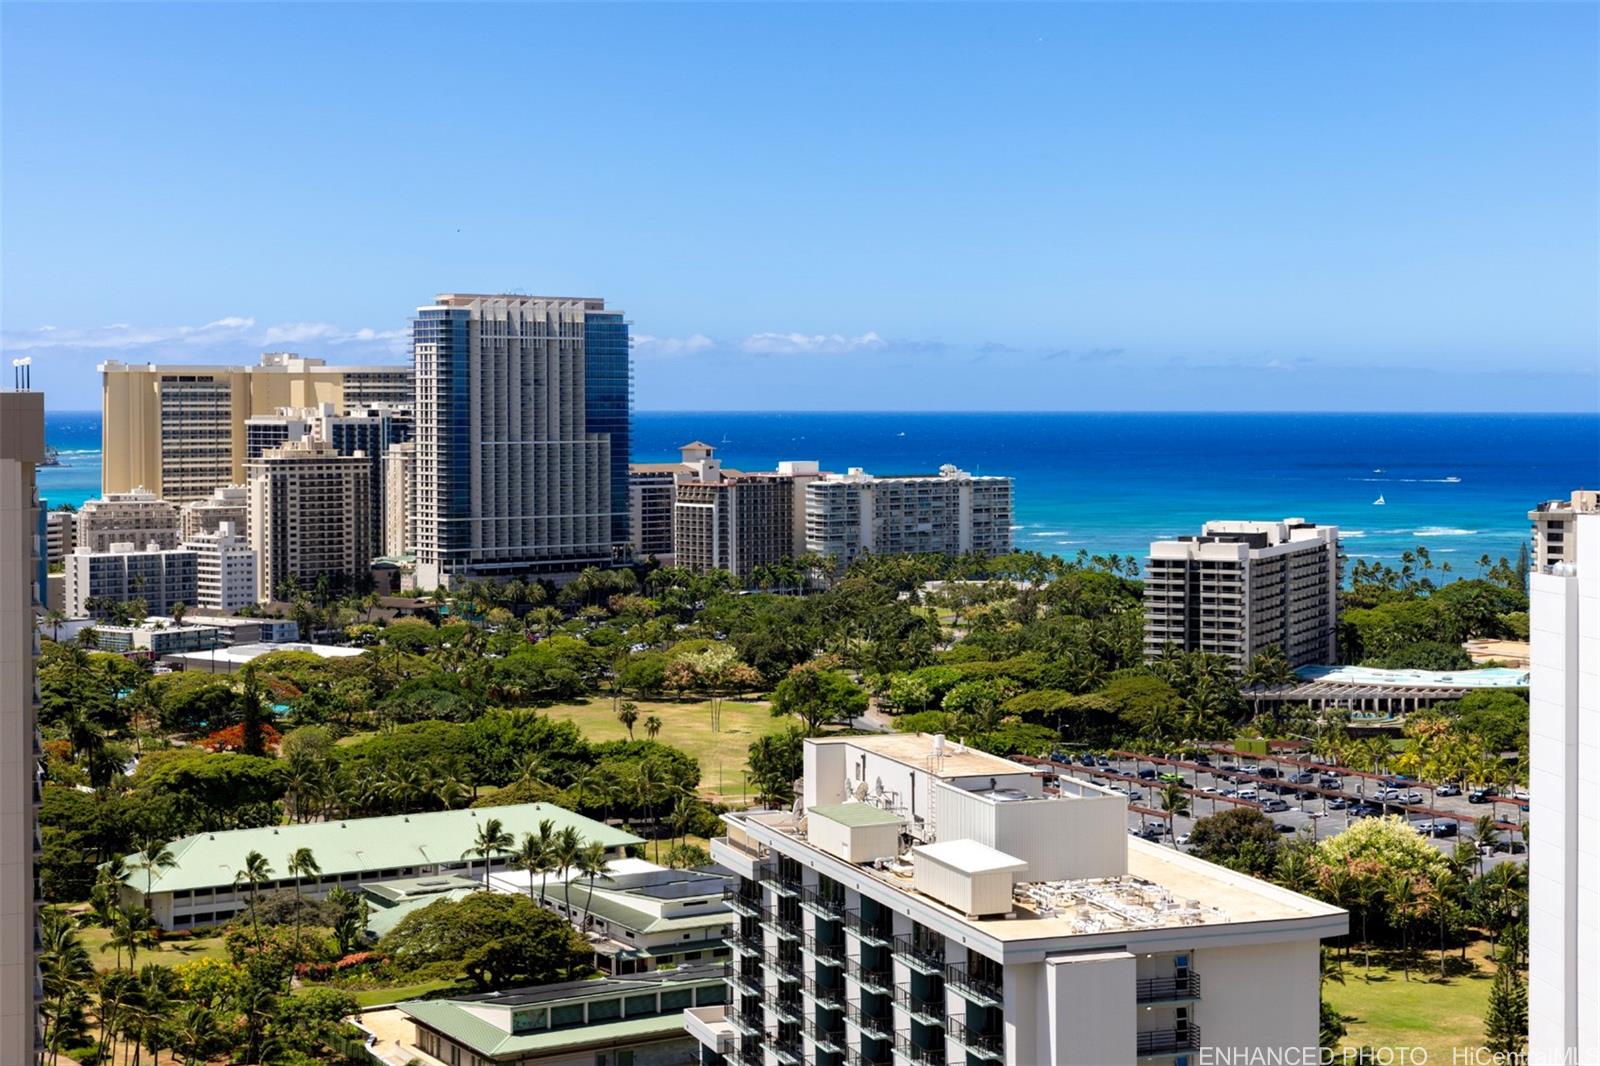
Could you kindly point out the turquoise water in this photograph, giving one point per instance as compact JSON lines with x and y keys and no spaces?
{"x":1111,"y":483}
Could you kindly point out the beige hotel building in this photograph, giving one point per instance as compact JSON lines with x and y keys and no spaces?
{"x":179,"y":430}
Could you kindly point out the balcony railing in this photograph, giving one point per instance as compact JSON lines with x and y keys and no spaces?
{"x":875,"y":1025}
{"x":747,"y":984}
{"x":824,"y":906}
{"x":785,"y":928}
{"x":920,"y":956}
{"x":788,"y":969}
{"x":784,"y":885}
{"x":859,"y":1058}
{"x":867,"y":931}
{"x":929,"y":1010}
{"x":982,"y":1045}
{"x":877,"y":979}
{"x":739,"y":903}
{"x":828,"y":995}
{"x":1164,"y":989}
{"x":789,"y":1009}
{"x":1164,"y":1041}
{"x":746,"y":945}
{"x":746,"y":1025}
{"x":830,"y":1038}
{"x":824,"y":952}
{"x":932,"y":1056}
{"x":789,"y":1051}
{"x":985,"y":991}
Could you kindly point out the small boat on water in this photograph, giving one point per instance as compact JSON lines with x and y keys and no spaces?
{"x":1378,"y":502}
{"x":1452,"y":480}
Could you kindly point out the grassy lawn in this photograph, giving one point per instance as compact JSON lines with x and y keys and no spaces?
{"x":1389,"y":1011}
{"x":687,"y":726}
{"x":375,"y":997}
{"x":168,"y":953}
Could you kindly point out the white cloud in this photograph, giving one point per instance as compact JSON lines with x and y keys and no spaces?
{"x":810,"y":343}
{"x":233,"y":337}
{"x":645,"y":344}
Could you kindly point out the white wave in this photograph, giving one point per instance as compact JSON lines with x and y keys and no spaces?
{"x":1050,"y":533}
{"x":1352,"y":534}
{"x":1443,"y":531}
{"x":1015,"y":528}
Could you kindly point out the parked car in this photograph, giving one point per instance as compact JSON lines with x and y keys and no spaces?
{"x":1207,"y":790}
{"x":1267,"y":771}
{"x":1183,"y":838}
{"x":1274,"y":806}
{"x":1284,"y":827}
{"x":1365,"y":810}
{"x":1338,"y":804}
{"x":1447,"y":790}
{"x":1201,"y":760}
{"x":1330,"y":782}
{"x":1249,"y":770}
{"x":1171,"y":778}
{"x":1147,"y":774}
{"x":1511,"y":847}
{"x":1101,"y":760}
{"x":1443,"y":828}
{"x":1086,"y":760}
{"x":1247,"y":794}
{"x":1387,"y":794}
{"x":1229,"y":768}
{"x":1414,"y":796}
{"x":1481,"y":795}
{"x":1304,"y":777}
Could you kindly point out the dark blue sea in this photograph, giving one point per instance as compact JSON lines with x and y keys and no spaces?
{"x":1114,"y":482}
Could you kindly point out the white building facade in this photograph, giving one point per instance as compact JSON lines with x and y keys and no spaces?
{"x":929,"y":904}
{"x":399,"y":499}
{"x":226,"y":572}
{"x":135,"y":517}
{"x":948,"y":513}
{"x":159,"y":576}
{"x":227,"y":503}
{"x":1564,"y":747}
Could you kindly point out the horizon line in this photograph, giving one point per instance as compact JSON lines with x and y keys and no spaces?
{"x":1022,"y":411}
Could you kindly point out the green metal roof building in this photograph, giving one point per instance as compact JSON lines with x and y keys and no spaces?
{"x":199,"y":890}
{"x":634,"y":1020}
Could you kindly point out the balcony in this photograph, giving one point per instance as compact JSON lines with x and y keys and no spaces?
{"x":828,"y":1039}
{"x":708,"y":1026}
{"x":1175,"y":989}
{"x":830,"y":908}
{"x":1155,"y":1042}
{"x":984,"y":991}
{"x":789,"y":1009}
{"x":916,"y":1053}
{"x":789,"y":1052}
{"x":788,"y":969}
{"x":827,"y":995}
{"x":785,"y":929}
{"x":747,"y":984}
{"x":788,"y":887}
{"x":746,"y":906}
{"x":867,"y":932}
{"x":979,"y":1045}
{"x":929,"y":1010}
{"x":920,"y":957}
{"x":858,"y":1058}
{"x":873,"y":979}
{"x":824,"y":953}
{"x":872,"y":1025}
{"x":742,"y":944}
{"x":747,"y":1025}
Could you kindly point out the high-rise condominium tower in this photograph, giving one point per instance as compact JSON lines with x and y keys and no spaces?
{"x":1564,"y":745}
{"x":21,"y":589}
{"x":310,"y":516}
{"x":179,"y":430}
{"x":523,"y":407}
{"x":1241,"y":587}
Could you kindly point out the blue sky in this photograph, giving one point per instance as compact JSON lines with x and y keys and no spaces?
{"x":1240,"y":207}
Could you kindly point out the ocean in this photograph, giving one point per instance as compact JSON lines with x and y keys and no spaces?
{"x":1112,"y":483}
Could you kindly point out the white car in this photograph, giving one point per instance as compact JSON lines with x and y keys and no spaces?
{"x":1183,"y":838}
{"x":1247,"y":793}
{"x":1207,"y":790}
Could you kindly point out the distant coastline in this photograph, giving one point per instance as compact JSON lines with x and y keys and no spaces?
{"x":1109,"y":483}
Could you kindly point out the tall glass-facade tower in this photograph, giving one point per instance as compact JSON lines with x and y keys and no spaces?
{"x":523,"y":423}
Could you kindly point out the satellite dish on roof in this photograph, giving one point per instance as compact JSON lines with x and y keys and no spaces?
{"x":860,"y":791}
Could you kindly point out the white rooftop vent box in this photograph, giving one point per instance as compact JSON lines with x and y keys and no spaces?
{"x":973,"y":878}
{"x":855,"y":832}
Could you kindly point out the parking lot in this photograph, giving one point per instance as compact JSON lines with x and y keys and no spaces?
{"x":1314,"y":808}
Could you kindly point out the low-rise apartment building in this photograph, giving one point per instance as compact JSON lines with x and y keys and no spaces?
{"x":159,"y":576}
{"x":948,"y":513}
{"x":925,"y":903}
{"x":617,"y":1021}
{"x":61,"y":534}
{"x":134,"y":517}
{"x":199,"y":889}
{"x":157,"y":637}
{"x":1241,"y":587}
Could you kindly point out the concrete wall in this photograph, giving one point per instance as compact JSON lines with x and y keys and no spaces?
{"x":1088,"y":1010}
{"x":1057,"y":838}
{"x":1259,"y":997}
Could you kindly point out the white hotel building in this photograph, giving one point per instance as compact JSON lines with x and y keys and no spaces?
{"x":924,"y":903}
{"x":1564,"y":746}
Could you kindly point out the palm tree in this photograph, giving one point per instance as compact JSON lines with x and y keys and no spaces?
{"x":627,"y":715}
{"x":195,"y":1033}
{"x":1486,"y":831}
{"x":564,"y":854}
{"x":1440,"y":900}
{"x":53,"y":618}
{"x":154,"y":855}
{"x":652,"y":726}
{"x":130,"y":931}
{"x":593,"y":782}
{"x":257,"y":872}
{"x":492,"y":840}
{"x":65,"y":970}
{"x":1175,"y":802}
{"x":302,"y":863}
{"x":647,"y":786}
{"x":530,"y":855}
{"x":592,"y":864}
{"x":1401,"y":893}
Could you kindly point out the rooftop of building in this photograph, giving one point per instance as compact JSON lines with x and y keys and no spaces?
{"x":1488,"y":677}
{"x":240,"y":654}
{"x":356,"y":845}
{"x":1582,"y":501}
{"x":270,"y":362}
{"x":914,"y":749}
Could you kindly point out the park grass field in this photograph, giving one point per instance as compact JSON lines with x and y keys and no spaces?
{"x":167,"y":953}
{"x":687,"y":726}
{"x":1390,"y":1012}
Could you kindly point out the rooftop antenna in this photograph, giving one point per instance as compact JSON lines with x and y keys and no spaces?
{"x":22,"y":374}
